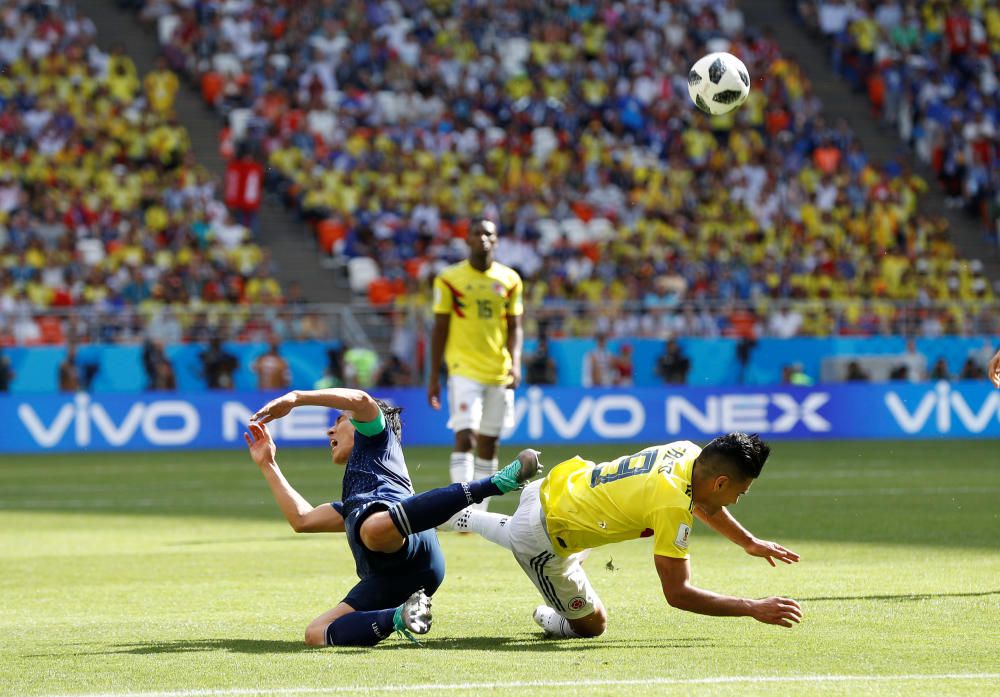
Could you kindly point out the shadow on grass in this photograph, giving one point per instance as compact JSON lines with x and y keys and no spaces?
{"x":233,"y":540}
{"x":202,"y":645}
{"x":900,"y":598}
{"x":537,"y":643}
{"x":267,"y":646}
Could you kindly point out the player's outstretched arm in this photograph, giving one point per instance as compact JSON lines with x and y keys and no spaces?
{"x":993,"y":370}
{"x":726,"y":525}
{"x":300,"y":514}
{"x":675,"y":576}
{"x":358,"y":402}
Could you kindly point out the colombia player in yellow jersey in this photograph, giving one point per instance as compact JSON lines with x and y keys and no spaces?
{"x":653,"y":493}
{"x":477,"y":330}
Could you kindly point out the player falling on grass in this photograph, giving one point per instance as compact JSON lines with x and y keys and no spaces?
{"x":477,"y":330}
{"x":390,"y":529}
{"x":654,"y":493}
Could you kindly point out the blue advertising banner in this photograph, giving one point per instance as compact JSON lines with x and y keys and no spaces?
{"x":153,"y":421}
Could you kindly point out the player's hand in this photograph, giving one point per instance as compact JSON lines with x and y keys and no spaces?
{"x":276,"y":408}
{"x":770,"y":551}
{"x":514,"y":377}
{"x":994,"y":370}
{"x":262,"y":447}
{"x":776,"y":610}
{"x":434,"y":394}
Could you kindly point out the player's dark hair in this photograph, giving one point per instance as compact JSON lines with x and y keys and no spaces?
{"x":392,"y":419}
{"x":735,"y":454}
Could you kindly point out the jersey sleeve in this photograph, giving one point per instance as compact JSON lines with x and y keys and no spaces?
{"x":671,"y":531}
{"x":442,"y":297}
{"x":515,"y":301}
{"x":371,"y":428}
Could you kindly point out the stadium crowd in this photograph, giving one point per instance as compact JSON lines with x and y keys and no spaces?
{"x":932,"y":71}
{"x":103,"y":208}
{"x":388,"y":124}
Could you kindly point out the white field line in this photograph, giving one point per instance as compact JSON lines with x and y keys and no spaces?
{"x":442,"y":687}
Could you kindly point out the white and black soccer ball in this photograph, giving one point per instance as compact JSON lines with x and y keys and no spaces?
{"x":718,"y":83}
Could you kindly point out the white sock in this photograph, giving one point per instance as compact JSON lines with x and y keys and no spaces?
{"x":461,"y":467}
{"x":493,"y":526}
{"x":484,"y":468}
{"x":552,"y":623}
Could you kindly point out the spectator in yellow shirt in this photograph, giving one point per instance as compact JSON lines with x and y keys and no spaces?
{"x":161,"y":88}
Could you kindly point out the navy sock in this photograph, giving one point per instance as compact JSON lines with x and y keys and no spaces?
{"x":432,"y":508}
{"x":360,"y":628}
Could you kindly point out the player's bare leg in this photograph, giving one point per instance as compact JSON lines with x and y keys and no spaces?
{"x":379,"y":534}
{"x":316,"y":631}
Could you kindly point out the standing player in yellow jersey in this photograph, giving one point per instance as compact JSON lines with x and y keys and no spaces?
{"x":477,"y":330}
{"x":654,"y":493}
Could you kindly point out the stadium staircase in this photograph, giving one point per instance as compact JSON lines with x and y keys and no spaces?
{"x":291,"y":242}
{"x":881,"y":145}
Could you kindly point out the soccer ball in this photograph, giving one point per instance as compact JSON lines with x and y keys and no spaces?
{"x":718,"y":83}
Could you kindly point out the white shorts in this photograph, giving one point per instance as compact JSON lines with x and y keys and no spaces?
{"x":561,"y":580}
{"x":485,"y":409}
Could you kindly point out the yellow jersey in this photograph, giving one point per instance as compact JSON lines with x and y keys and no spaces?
{"x":647,"y":494}
{"x":479,"y":304}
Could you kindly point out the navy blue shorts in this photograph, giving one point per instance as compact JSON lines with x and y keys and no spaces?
{"x":389,"y":579}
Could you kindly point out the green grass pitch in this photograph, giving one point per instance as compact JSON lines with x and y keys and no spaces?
{"x":175,"y":574}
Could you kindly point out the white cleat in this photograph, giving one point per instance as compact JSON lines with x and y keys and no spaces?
{"x":414,"y":616}
{"x":548,"y":619}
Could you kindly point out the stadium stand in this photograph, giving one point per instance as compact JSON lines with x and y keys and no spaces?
{"x":388,"y":124}
{"x":103,"y":208}
{"x":931,"y":71}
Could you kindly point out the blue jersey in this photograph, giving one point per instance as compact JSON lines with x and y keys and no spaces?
{"x":375,"y":478}
{"x":376,"y":471}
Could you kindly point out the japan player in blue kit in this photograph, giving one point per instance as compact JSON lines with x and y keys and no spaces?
{"x":390,"y":529}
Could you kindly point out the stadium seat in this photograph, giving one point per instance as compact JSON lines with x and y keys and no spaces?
{"x":361,"y":271}
{"x":381,"y":292}
{"x":91,"y":251}
{"x":549,"y":233}
{"x":238,"y":119}
{"x":575,"y":231}
{"x":211,"y":87}
{"x":329,"y":233}
{"x":600,"y":230}
{"x":166,"y":25}
{"x":51,"y":330}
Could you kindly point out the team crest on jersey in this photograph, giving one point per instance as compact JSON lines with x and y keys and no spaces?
{"x":576,"y":603}
{"x":499,"y":289}
{"x":463,"y":407}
